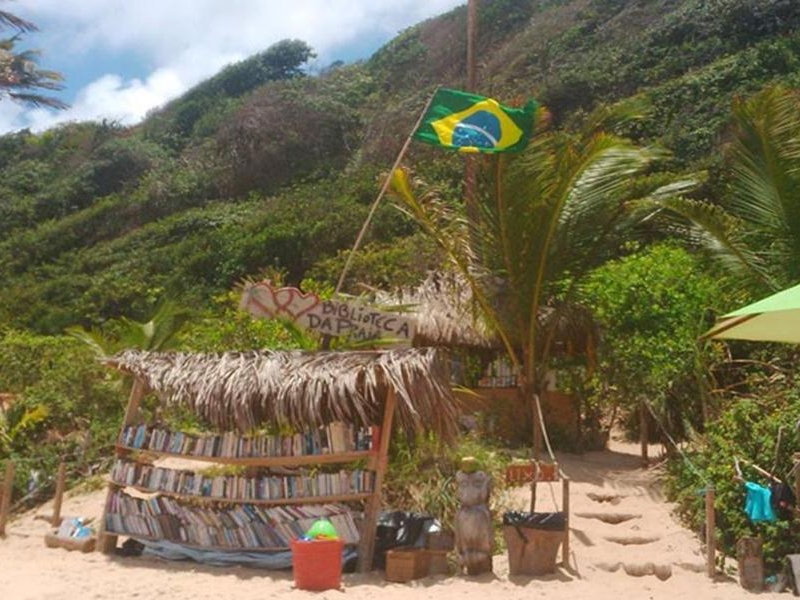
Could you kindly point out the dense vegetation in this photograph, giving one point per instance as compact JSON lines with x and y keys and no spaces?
{"x":266,"y":170}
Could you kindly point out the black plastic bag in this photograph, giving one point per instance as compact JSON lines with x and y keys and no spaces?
{"x":397,"y":529}
{"x":545,"y":521}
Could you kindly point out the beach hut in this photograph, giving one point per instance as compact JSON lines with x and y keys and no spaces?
{"x":446,"y":317}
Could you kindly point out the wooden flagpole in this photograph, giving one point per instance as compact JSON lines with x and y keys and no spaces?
{"x":381,"y":194}
{"x":470,"y":162}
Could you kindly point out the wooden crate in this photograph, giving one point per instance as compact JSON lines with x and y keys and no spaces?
{"x":87,"y":544}
{"x":405,"y":564}
{"x":438,"y":562}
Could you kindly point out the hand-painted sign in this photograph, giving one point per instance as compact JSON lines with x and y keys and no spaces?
{"x":330,"y":317}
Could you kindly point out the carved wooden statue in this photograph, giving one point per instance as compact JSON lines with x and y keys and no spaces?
{"x":473,"y":526}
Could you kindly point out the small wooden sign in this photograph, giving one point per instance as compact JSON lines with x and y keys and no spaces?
{"x":328,"y":317}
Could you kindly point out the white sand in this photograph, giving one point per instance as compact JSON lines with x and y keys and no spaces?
{"x":600,"y":567}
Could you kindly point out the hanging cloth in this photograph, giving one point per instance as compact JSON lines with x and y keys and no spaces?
{"x":783,"y":500}
{"x":758,"y":503}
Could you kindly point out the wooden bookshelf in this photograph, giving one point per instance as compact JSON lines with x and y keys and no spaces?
{"x":375,"y":459}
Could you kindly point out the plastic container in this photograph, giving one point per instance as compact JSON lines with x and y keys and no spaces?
{"x":533,"y":541}
{"x":317,"y":564}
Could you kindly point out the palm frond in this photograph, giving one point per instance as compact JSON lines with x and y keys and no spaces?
{"x":10,"y":20}
{"x":708,"y":226}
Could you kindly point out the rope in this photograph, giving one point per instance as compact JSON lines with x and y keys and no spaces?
{"x":544,"y":429}
{"x":685,"y":458}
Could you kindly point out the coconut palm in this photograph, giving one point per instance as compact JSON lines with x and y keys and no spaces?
{"x":754,"y":231}
{"x":554,"y":212}
{"x":20,"y":74}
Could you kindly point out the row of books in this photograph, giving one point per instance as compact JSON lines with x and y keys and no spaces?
{"x":236,"y":487}
{"x":334,"y":438}
{"x":240,"y":527}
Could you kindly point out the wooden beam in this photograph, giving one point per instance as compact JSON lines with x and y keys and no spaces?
{"x":711,"y":537}
{"x":5,"y":499}
{"x":366,"y":548}
{"x":565,"y":508}
{"x":61,"y":481}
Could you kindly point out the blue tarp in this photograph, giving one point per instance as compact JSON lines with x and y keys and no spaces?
{"x":265,"y":560}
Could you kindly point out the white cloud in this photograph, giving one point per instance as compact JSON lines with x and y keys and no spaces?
{"x":186,"y":41}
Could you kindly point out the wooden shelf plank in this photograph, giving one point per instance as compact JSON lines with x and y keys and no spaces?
{"x":261,"y":501}
{"x":260,"y":461}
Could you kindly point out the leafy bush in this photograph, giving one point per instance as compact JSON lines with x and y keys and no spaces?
{"x":651,"y":307}
{"x":421,"y":475}
{"x":748,"y":429}
{"x":67,"y":406}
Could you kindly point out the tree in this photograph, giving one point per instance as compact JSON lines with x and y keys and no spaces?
{"x":650,"y":306}
{"x":754,"y":231}
{"x":19,"y":73}
{"x":553,"y":214}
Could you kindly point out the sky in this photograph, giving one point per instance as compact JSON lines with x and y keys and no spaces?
{"x":122,"y":58}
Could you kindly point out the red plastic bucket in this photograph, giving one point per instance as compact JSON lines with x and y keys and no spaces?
{"x":317,"y":564}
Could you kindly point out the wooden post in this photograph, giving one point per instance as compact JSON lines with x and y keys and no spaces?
{"x":5,"y":499}
{"x":107,"y":542}
{"x":711,"y":538}
{"x":643,"y":433}
{"x":796,"y":458}
{"x":366,"y":547}
{"x":61,"y":480}
{"x":565,"y":508}
{"x":470,"y":165}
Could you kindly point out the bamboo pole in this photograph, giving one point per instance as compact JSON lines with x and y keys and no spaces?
{"x":711,"y":539}
{"x":381,"y":194}
{"x":366,"y":548}
{"x":5,"y":499}
{"x":61,"y":480}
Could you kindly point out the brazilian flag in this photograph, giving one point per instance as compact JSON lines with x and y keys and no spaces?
{"x":470,"y":123}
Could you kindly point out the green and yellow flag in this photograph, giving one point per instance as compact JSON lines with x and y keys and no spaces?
{"x":470,"y":123}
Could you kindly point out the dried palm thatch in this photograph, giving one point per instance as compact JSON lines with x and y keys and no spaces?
{"x":302,"y":389}
{"x":447,"y":315}
{"x":444,"y":310}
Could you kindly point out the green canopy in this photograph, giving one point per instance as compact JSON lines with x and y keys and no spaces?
{"x":773,"y":319}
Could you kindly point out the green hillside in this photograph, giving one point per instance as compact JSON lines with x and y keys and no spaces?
{"x":264,"y":169}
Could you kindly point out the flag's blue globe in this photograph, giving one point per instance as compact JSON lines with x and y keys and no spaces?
{"x":481,"y":129}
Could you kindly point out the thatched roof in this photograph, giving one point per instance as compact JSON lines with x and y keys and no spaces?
{"x":444,"y":311}
{"x":447,"y":315}
{"x":303,"y":389}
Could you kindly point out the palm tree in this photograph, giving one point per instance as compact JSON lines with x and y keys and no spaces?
{"x":754,"y":231}
{"x":554,"y":213}
{"x":19,"y":73}
{"x":159,"y":333}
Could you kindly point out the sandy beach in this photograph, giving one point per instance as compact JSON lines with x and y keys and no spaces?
{"x":649,"y":555}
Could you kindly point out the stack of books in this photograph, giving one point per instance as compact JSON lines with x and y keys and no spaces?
{"x":240,"y":527}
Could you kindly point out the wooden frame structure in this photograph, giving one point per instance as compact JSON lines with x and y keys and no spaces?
{"x":549,"y":473}
{"x":395,"y":389}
